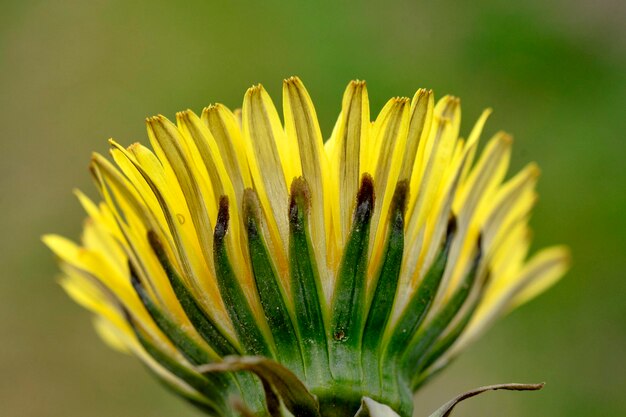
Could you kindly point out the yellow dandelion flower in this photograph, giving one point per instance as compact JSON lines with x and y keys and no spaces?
{"x":339,"y":274}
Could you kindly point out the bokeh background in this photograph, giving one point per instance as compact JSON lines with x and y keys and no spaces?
{"x":74,"y":73}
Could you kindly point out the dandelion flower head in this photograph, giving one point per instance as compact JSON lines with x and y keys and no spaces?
{"x":259,"y":269}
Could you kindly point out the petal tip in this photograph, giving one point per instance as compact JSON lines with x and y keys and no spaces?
{"x":365,"y":198}
{"x":221,"y":226}
{"x":255,"y":90}
{"x":293,"y":80}
{"x":299,"y":199}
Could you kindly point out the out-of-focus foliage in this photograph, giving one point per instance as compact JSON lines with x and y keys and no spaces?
{"x":74,"y":73}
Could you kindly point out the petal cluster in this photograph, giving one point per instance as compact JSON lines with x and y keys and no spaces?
{"x":363,"y":264}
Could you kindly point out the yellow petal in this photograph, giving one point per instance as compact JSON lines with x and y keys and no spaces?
{"x":270,"y":164}
{"x":225,"y":129}
{"x":196,"y":270}
{"x":419,"y":127}
{"x":351,"y":138}
{"x":549,"y":266}
{"x":302,"y":127}
{"x":201,"y":143}
{"x":434,"y":155}
{"x":543,"y":270}
{"x":471,"y":207}
{"x":110,"y":336}
{"x":473,"y":138}
{"x":165,"y":137}
{"x":388,"y":150}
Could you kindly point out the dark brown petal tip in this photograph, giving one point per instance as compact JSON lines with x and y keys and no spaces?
{"x":452,"y":225}
{"x":299,"y":198}
{"x":155,"y":243}
{"x":134,"y":277}
{"x":250,"y":204}
{"x":251,"y":208}
{"x":400,"y":196}
{"x":221,"y":227}
{"x":365,"y":199}
{"x":479,"y":249}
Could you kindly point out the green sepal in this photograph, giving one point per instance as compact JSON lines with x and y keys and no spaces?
{"x":441,"y":346}
{"x":194,"y":353}
{"x":423,"y":340}
{"x":446,"y":409}
{"x":371,"y":408}
{"x":203,"y":323}
{"x":444,"y":343}
{"x":409,"y":322}
{"x":306,"y":287}
{"x":214,"y":389}
{"x":348,"y":311}
{"x":415,"y":311}
{"x":205,"y":327}
{"x":244,"y":321}
{"x":271,"y":292}
{"x":384,"y":294}
{"x":194,"y":398}
{"x":277,"y":380}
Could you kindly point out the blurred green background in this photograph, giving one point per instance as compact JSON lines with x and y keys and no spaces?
{"x":73,"y":73}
